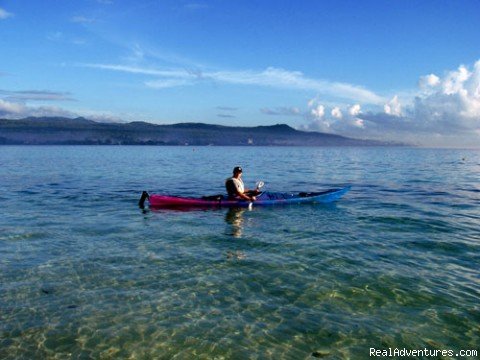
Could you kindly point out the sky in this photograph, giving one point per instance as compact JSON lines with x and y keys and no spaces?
{"x":393,"y":70}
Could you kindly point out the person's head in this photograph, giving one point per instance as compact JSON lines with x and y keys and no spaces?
{"x":237,"y":171}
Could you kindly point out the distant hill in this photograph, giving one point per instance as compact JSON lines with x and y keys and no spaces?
{"x":81,"y":131}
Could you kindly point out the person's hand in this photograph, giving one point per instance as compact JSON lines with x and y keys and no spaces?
{"x":253,"y":198}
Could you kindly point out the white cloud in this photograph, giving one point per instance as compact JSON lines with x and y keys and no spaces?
{"x":346,"y":120}
{"x":354,"y":110}
{"x":317,"y":125}
{"x":18,"y":110}
{"x":443,"y":111}
{"x":7,"y":107}
{"x":337,"y":113}
{"x":137,"y":55}
{"x":457,"y":101}
{"x":318,"y":112}
{"x":17,"y":105}
{"x":4,"y":14}
{"x":448,"y":114}
{"x":393,"y":107}
{"x":280,"y":78}
{"x":270,"y":77}
{"x":176,"y":73}
{"x":429,"y":81}
{"x":167,"y":83}
{"x":15,"y":110}
{"x":359,"y":123}
{"x":454,"y":81}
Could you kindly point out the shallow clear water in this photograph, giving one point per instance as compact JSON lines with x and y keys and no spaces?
{"x":84,"y":273}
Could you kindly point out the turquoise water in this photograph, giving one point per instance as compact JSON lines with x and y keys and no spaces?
{"x":85,"y":273}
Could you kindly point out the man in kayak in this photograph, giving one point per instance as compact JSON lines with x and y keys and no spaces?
{"x":236,"y":189}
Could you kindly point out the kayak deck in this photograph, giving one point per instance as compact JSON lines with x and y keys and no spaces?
{"x":263,"y":199}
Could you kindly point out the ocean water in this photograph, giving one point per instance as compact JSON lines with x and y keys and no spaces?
{"x":86,"y":274}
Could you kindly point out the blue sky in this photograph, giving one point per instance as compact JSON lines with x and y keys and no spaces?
{"x":391,"y":70}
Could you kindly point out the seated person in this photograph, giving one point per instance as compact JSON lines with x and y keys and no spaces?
{"x":236,"y":189}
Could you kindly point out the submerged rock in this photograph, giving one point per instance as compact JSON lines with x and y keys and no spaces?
{"x":239,"y":255}
{"x":320,"y":353}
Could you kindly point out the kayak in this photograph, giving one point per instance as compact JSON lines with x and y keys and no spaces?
{"x":265,"y":198}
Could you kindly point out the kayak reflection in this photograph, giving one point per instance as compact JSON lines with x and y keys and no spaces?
{"x":235,"y":221}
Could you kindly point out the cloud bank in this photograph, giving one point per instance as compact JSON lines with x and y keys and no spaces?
{"x":17,"y":110}
{"x":444,"y":112}
{"x":15,"y":105}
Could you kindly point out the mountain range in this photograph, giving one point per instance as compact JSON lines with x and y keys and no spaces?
{"x":81,"y":131}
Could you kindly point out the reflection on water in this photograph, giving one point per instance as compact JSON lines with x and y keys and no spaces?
{"x":235,"y":221}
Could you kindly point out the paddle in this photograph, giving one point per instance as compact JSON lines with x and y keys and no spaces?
{"x":259,"y":185}
{"x":141,"y":203}
{"x":256,"y":192}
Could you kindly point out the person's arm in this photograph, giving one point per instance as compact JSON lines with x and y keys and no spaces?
{"x":252,"y":192}
{"x":246,"y":197}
